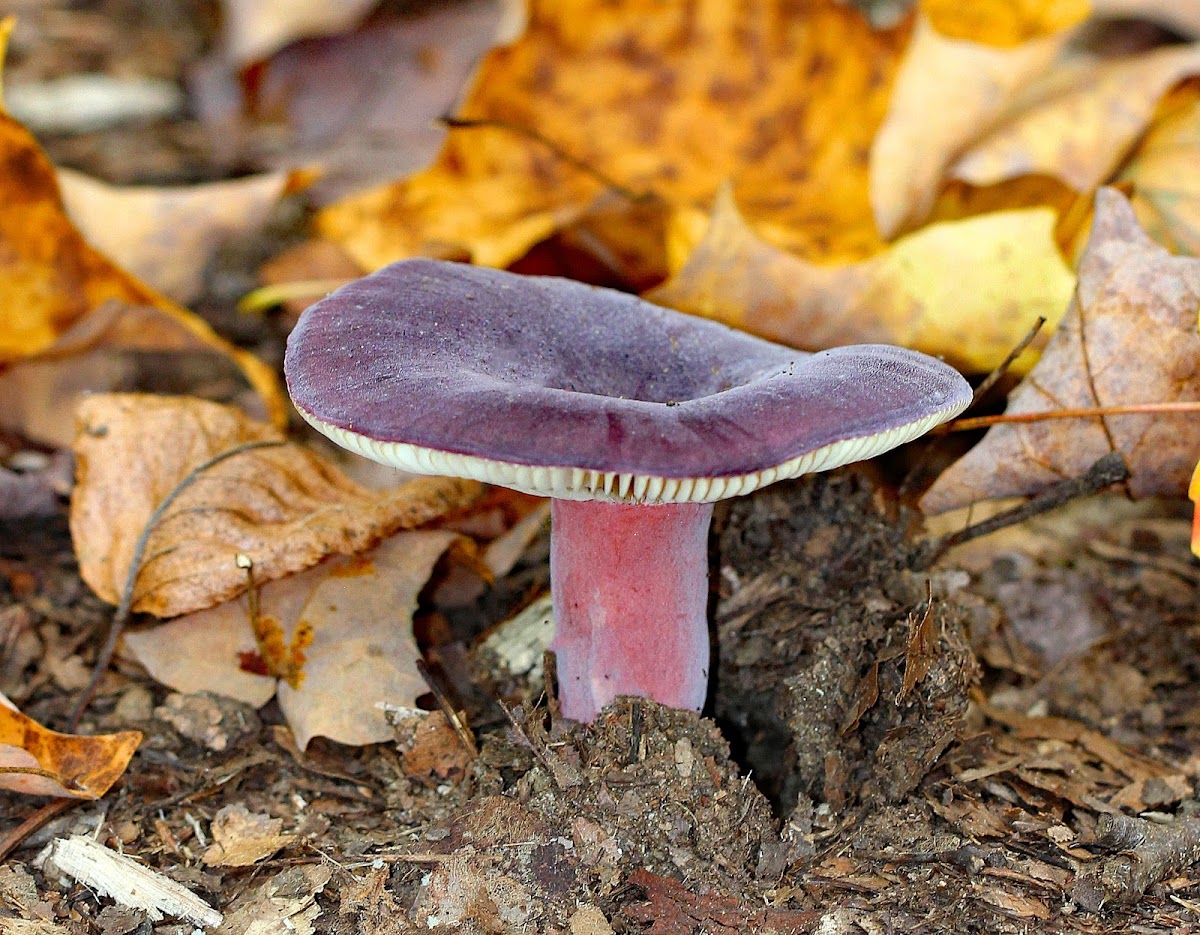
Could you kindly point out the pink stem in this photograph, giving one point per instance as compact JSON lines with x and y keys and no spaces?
{"x":630,"y":587}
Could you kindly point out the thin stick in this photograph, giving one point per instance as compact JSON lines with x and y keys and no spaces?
{"x":469,"y":123}
{"x":465,"y":737}
{"x":1109,"y":470}
{"x":121,"y":617}
{"x":13,"y":839}
{"x":994,"y":377}
{"x":1133,"y":409}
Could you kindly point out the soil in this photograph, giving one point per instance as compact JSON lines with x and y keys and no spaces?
{"x":884,"y":750}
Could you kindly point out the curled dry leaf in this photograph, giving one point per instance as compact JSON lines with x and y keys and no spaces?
{"x":358,"y":654}
{"x":284,"y":507}
{"x":38,"y":761}
{"x":51,"y":279}
{"x":658,"y":104}
{"x":1078,"y":121}
{"x":167,"y":235}
{"x":1129,"y":337}
{"x":947,"y":93}
{"x":968,"y":290}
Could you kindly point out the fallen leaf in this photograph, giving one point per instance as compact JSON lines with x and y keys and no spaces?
{"x":38,"y":761}
{"x":1004,"y":22}
{"x":655,"y":103}
{"x":242,"y":838}
{"x":947,"y":93}
{"x":51,"y":279}
{"x":1194,"y":496}
{"x":967,"y":290}
{"x":253,"y":29}
{"x":1162,"y":172}
{"x":166,"y":236}
{"x":362,"y":655}
{"x":284,"y":905}
{"x":1181,"y":15}
{"x":365,"y":126}
{"x":1079,"y":120}
{"x":1129,"y":337}
{"x":284,"y":507}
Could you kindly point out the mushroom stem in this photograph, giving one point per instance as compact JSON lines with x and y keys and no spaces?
{"x":630,"y":588}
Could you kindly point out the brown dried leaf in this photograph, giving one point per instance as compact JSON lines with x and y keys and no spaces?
{"x":38,"y":761}
{"x":1129,"y":337}
{"x":362,"y":654}
{"x":284,"y":507}
{"x":242,"y":838}
{"x":666,"y":101}
{"x":670,"y":908}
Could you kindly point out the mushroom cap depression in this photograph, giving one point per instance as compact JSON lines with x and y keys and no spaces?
{"x":564,"y":390}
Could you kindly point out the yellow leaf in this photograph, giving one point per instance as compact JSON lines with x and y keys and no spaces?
{"x":1003,"y":22}
{"x":947,"y":93}
{"x":283,"y":507}
{"x":654,"y":105}
{"x":1079,"y":120}
{"x":1164,"y":176}
{"x":38,"y":761}
{"x":967,"y":290}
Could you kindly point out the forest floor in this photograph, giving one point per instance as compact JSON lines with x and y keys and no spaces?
{"x":1005,"y":741}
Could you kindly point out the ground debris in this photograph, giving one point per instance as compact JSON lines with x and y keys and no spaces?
{"x":1149,"y":854}
{"x":670,"y":908}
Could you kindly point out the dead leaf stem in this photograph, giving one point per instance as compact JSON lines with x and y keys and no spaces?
{"x":1108,"y":470}
{"x":121,"y":617}
{"x":1133,"y":409}
{"x":1002,"y":368}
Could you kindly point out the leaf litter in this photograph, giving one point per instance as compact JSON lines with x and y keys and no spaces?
{"x":966,"y":772}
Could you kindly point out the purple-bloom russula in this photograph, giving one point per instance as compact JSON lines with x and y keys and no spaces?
{"x":635,"y":419}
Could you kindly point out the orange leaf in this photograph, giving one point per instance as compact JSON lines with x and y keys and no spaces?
{"x":1004,"y":22}
{"x":654,"y":103}
{"x":51,"y":279}
{"x":284,"y":507}
{"x":38,"y":761}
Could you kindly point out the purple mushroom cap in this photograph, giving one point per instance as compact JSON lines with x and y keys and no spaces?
{"x":444,"y":368}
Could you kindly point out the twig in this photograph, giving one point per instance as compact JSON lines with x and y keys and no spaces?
{"x":121,"y":617}
{"x":917,"y":473}
{"x":473,"y":123}
{"x":11,"y":841}
{"x":994,"y":377}
{"x":1133,"y":409}
{"x":1150,"y":854}
{"x":1109,"y":470}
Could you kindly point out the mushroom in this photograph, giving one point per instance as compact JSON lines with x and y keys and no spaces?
{"x":633,"y":418}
